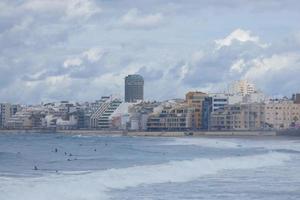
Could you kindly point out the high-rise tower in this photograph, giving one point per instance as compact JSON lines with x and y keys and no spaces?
{"x":134,"y":88}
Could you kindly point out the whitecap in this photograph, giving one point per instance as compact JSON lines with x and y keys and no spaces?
{"x":97,"y":185}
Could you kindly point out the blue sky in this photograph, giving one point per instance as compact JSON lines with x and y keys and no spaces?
{"x":54,"y":50}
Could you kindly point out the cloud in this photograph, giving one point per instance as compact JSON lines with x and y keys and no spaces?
{"x":276,"y":74}
{"x":87,"y":57}
{"x":238,"y":66}
{"x":197,"y":56}
{"x":262,"y":68}
{"x":93,"y":54}
{"x":135,"y":19}
{"x":68,"y":49}
{"x":81,"y":8}
{"x":72,"y":62}
{"x":239,"y":35}
{"x":71,"y":8}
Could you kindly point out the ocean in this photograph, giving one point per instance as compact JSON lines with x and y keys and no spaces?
{"x":79,"y":167}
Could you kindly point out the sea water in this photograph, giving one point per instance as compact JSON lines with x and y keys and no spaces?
{"x":78,"y":167}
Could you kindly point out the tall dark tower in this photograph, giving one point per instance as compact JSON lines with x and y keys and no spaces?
{"x":134,"y":88}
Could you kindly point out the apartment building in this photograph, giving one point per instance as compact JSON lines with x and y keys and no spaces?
{"x":242,"y":87}
{"x":100,"y":119}
{"x":177,"y":117}
{"x":196,"y":101}
{"x":239,"y":117}
{"x":282,"y":113}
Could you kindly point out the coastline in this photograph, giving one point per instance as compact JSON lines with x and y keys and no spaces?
{"x":146,"y":133}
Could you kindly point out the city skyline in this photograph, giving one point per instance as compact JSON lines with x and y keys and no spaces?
{"x":80,"y":50}
{"x":149,"y":99}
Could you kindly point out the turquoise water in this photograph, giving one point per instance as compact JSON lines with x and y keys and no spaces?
{"x":106,"y":167}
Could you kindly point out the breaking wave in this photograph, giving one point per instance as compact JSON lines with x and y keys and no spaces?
{"x":204,"y":142}
{"x":97,"y":185}
{"x":236,"y":143}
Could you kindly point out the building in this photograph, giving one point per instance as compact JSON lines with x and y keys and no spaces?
{"x":134,"y":88}
{"x":219,"y":101}
{"x":207,"y":109}
{"x":282,"y":113}
{"x":239,"y":117}
{"x":139,"y":113}
{"x":14,"y":108}
{"x":195,"y":100}
{"x":296,"y":98}
{"x":5,"y":113}
{"x":100,"y":119}
{"x":26,"y":119}
{"x":67,"y":124}
{"x":171,"y":118}
{"x":242,"y":87}
{"x":120,"y":118}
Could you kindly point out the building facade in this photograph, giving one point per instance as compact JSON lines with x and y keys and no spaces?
{"x":5,"y":113}
{"x":134,"y":88}
{"x":171,"y":118}
{"x":195,"y":100}
{"x":282,"y":114}
{"x":239,"y":117}
{"x":242,"y":87}
{"x":219,"y":101}
{"x":296,"y":98}
{"x":100,"y":119}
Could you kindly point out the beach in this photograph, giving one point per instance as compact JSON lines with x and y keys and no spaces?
{"x":93,"y":167}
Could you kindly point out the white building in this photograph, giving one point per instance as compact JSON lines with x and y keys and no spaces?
{"x":120,"y":117}
{"x":282,"y":113}
{"x":101,"y":118}
{"x":4,"y":113}
{"x":70,"y":123}
{"x":7,"y":110}
{"x":242,"y":87}
{"x":219,"y":100}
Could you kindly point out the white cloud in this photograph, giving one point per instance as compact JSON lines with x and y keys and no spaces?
{"x":81,"y":8}
{"x":93,"y":54}
{"x":238,"y":66}
{"x":197,"y":56}
{"x":264,"y":67}
{"x":72,"y":62}
{"x":70,"y":8}
{"x":134,"y":19}
{"x":184,"y":70}
{"x":239,"y":35}
{"x":49,"y":43}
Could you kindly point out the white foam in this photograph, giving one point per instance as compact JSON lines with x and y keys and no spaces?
{"x":237,"y":143}
{"x":204,"y":142}
{"x":96,"y":185}
{"x":276,"y":145}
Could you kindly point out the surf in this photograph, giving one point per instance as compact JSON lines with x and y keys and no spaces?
{"x":98,"y":184}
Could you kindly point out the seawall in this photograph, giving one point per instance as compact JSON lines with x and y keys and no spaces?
{"x":204,"y":133}
{"x":150,"y":134}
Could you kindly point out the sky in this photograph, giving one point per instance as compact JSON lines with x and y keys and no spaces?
{"x":80,"y":50}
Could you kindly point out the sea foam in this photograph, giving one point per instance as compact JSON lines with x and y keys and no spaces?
{"x":204,"y":142}
{"x":236,"y":143}
{"x":98,"y":185}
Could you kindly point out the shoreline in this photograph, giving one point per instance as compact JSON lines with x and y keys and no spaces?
{"x":147,"y":133}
